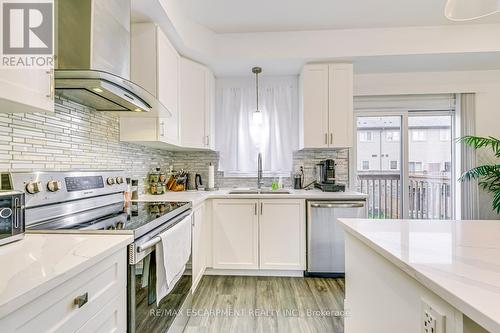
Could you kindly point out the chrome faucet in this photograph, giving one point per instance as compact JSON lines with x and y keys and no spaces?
{"x":260,"y":181}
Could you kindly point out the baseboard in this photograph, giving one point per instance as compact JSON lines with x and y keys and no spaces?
{"x":253,"y":272}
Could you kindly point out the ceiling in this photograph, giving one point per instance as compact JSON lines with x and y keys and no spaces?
{"x":367,"y":65}
{"x":233,"y":16}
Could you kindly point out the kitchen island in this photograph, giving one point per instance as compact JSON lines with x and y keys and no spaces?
{"x":65,"y":282}
{"x":402,"y":273}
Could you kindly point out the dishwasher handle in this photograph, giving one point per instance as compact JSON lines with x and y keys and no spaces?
{"x":338,"y":205}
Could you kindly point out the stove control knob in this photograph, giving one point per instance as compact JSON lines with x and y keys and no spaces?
{"x":5,"y":213}
{"x":33,"y":187}
{"x":110,"y":180}
{"x":119,"y":180}
{"x":54,"y":185}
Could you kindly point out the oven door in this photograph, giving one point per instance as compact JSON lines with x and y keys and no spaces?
{"x":143,"y":313}
{"x":11,"y":217}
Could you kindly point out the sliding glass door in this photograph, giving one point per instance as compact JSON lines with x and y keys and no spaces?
{"x":379,"y":164}
{"x":430,"y":166}
{"x":404,"y":162}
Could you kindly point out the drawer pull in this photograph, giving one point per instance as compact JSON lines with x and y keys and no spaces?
{"x":81,"y":300}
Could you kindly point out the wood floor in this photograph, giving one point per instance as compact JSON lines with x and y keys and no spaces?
{"x":236,"y":304}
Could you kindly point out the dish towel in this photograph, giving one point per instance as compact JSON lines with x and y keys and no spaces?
{"x":172,"y":254}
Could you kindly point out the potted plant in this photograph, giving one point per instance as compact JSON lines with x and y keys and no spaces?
{"x":488,"y":175}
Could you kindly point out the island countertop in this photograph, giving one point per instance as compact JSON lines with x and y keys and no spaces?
{"x":457,"y":260}
{"x":39,"y":262}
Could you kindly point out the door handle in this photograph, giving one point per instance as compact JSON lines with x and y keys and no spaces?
{"x":51,"y":93}
{"x":337,"y":205}
{"x":15,"y":213}
{"x":326,"y":138}
{"x":255,"y":208}
{"x":162,"y":128}
{"x":261,"y":208}
{"x":331,"y":138}
{"x":81,"y":300}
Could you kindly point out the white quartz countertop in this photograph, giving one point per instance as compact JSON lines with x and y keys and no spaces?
{"x":197,"y":197}
{"x":457,"y":260}
{"x":39,"y":262}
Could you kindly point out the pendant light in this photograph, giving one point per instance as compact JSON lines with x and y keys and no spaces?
{"x":465,"y":10}
{"x":257,"y":114}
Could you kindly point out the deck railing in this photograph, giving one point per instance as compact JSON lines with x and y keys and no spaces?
{"x":429,"y":195}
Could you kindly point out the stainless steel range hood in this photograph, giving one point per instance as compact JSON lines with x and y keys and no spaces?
{"x":93,"y":57}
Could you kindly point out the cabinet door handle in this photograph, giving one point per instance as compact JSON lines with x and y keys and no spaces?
{"x":207,"y":140}
{"x":255,"y":208}
{"x":51,"y":85}
{"x":81,"y":300}
{"x":261,"y":208}
{"x":331,"y":138}
{"x":162,"y":128}
{"x":326,"y":138}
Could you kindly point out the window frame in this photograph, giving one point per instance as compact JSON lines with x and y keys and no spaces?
{"x":404,"y":142}
{"x":366,"y":139}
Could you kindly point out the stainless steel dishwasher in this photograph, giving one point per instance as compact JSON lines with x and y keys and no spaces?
{"x":325,"y":236}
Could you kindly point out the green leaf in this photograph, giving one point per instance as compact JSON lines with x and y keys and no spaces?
{"x":477,"y":142}
{"x":482,"y":171}
{"x":496,"y":201}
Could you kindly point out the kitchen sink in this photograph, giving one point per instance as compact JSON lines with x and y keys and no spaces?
{"x":244,"y":192}
{"x":274,"y":191}
{"x":257,"y":191}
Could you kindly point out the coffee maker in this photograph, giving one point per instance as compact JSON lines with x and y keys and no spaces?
{"x":325,"y":177}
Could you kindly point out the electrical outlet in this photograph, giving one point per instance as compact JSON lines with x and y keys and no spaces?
{"x":432,"y":320}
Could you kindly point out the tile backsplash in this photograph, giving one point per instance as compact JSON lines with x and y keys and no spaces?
{"x":198,"y":162}
{"x":72,"y":138}
{"x":78,"y":138}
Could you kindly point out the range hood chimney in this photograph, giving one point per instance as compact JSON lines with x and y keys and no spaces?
{"x":93,"y":57}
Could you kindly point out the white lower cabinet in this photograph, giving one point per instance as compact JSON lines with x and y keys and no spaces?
{"x":282,"y":234}
{"x":200,"y":244}
{"x":112,"y":317}
{"x":235,"y":234}
{"x":266,"y":234}
{"x":100,"y":292}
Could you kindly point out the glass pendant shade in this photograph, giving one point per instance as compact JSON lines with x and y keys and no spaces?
{"x":465,"y":10}
{"x":257,"y":117}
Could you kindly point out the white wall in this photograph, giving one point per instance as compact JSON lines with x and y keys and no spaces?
{"x":486,"y":85}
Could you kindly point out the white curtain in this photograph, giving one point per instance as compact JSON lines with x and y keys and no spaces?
{"x":239,"y":140}
{"x":470,"y":190}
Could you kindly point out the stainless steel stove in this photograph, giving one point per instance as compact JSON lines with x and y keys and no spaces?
{"x":88,"y":200}
{"x":93,"y":202}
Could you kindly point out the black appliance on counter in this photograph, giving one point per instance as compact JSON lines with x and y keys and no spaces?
{"x":325,"y":177}
{"x":11,"y":216}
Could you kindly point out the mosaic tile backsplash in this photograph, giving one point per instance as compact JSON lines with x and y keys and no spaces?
{"x":72,"y":138}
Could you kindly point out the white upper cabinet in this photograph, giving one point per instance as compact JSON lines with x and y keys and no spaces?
{"x":196,"y":103}
{"x":314,"y":96}
{"x":155,"y":67}
{"x":340,"y":115}
{"x":26,"y":90}
{"x":327,"y":105}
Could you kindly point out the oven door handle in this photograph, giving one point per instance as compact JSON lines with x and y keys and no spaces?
{"x":155,"y":240}
{"x":150,"y":243}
